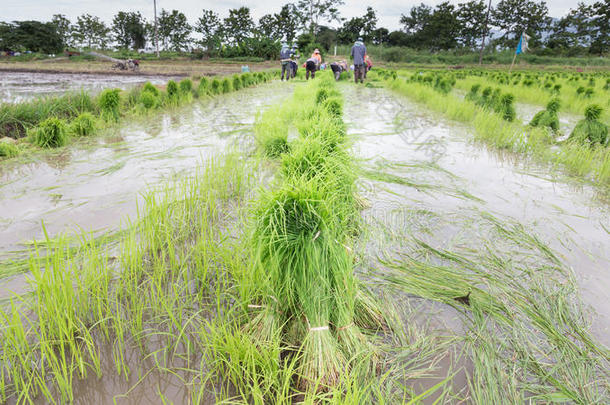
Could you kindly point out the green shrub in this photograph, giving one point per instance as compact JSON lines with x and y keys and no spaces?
{"x":83,"y":125}
{"x":109,"y":101}
{"x":51,"y":133}
{"x":590,"y":129}
{"x":8,"y":150}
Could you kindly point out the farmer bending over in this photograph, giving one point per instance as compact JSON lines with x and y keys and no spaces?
{"x":338,"y":68}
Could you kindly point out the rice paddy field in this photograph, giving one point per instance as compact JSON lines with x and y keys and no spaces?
{"x":429,"y":237}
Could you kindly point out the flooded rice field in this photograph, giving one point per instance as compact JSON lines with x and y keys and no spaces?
{"x":434,"y":202}
{"x":451,"y":184}
{"x":22,"y":86}
{"x":94,"y":185}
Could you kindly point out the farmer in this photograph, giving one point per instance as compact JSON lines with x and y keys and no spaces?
{"x":294,"y":63}
{"x":311,"y":67}
{"x":338,"y":68}
{"x":358,"y":52}
{"x":285,"y":60}
{"x":316,"y":55}
{"x":368,"y":64}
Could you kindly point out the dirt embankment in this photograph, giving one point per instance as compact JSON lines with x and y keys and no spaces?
{"x":157,"y":68}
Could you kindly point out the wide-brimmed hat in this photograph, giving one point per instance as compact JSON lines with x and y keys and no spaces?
{"x":316,"y":50}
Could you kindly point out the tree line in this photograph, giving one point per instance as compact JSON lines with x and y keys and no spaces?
{"x":585,"y":29}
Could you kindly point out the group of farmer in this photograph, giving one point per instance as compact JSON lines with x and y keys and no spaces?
{"x":289,"y":58}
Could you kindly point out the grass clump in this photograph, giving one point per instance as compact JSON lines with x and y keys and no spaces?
{"x":226,"y":86}
{"x":83,"y":125}
{"x":172,"y":90}
{"x":591,"y":130}
{"x":215,"y":86}
{"x":548,"y":118}
{"x":185,"y":86}
{"x":204,"y":84}
{"x":236,"y":82}
{"x":109,"y":101}
{"x":334,"y":106}
{"x":8,"y":150}
{"x":51,"y":133}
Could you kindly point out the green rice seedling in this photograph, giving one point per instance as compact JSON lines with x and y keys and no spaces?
{"x":236,"y":82}
{"x":185,"y":86}
{"x":215,"y":86}
{"x":83,"y":125}
{"x":109,"y":101}
{"x":473,"y":94}
{"x":226,"y":86}
{"x":150,"y":88}
{"x":548,"y":117}
{"x":590,"y":130}
{"x":8,"y":150}
{"x":204,"y":85}
{"x":334,"y":106}
{"x":148,"y":100}
{"x":505,"y":107}
{"x":321,"y":95}
{"x":173,"y":93}
{"x":51,"y":133}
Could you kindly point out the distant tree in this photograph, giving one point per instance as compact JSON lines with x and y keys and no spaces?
{"x":288,"y":21}
{"x":369,"y":21}
{"x":129,"y":30}
{"x":416,"y":20}
{"x":514,"y":17}
{"x":268,"y":26}
{"x":210,"y":28}
{"x":32,"y":36}
{"x":63,"y":27}
{"x":90,"y":31}
{"x":471,"y":16}
{"x":174,"y":30}
{"x":573,"y":32}
{"x":433,"y":29}
{"x":350,"y":30}
{"x":399,"y":38}
{"x":238,"y":25}
{"x":601,"y":27}
{"x":327,"y":37}
{"x":314,"y":12}
{"x":380,"y":36}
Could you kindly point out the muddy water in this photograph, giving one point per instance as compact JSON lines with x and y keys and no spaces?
{"x":94,"y":184}
{"x":566,"y":215}
{"x":22,"y":86}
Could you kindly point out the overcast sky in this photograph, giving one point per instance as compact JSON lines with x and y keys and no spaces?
{"x":388,"y":11}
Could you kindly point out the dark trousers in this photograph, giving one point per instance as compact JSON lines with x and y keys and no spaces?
{"x":310,"y":68}
{"x":286,"y":68}
{"x":359,"y":73}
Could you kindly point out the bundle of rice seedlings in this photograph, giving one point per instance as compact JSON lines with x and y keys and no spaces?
{"x":148,"y":87}
{"x":215,"y":86}
{"x":334,"y":106}
{"x":148,"y":100}
{"x":185,"y":86}
{"x":226,"y":85}
{"x":204,"y":83}
{"x":590,"y":129}
{"x":51,"y":133}
{"x":548,"y":118}
{"x":8,"y":150}
{"x":473,"y":94}
{"x":236,"y":82}
{"x":172,"y":90}
{"x":83,"y":125}
{"x":321,"y":95}
{"x":109,"y":101}
{"x":504,"y":106}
